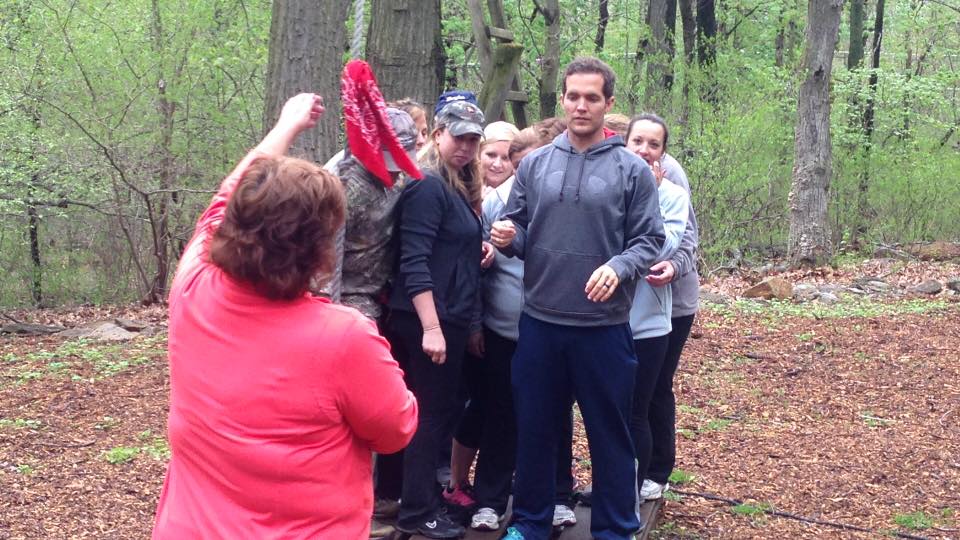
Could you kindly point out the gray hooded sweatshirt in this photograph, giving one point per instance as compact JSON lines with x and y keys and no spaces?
{"x":575,"y":212}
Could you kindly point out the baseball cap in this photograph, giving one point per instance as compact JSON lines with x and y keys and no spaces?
{"x":460,"y":118}
{"x":452,"y":96}
{"x":406,"y":131}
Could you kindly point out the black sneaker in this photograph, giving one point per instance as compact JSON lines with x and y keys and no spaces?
{"x":438,"y":526}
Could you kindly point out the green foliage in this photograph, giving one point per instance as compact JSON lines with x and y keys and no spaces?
{"x":915,"y":520}
{"x":121,"y":454}
{"x":20,"y":423}
{"x":752,"y":509}
{"x":680,"y":477}
{"x":872,"y":420}
{"x":851,"y":307}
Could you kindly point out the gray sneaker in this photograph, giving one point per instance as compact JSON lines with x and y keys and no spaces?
{"x":651,"y":490}
{"x":563,"y":516}
{"x":485,"y":519}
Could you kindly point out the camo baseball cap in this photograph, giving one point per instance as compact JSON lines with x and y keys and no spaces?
{"x":406,"y":132}
{"x":460,"y":118}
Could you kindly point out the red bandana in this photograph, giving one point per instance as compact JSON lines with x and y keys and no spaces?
{"x":368,"y":128}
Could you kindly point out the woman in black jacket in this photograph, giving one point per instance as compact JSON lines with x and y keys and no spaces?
{"x":435,"y":299}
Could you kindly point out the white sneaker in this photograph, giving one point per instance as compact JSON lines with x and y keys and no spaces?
{"x":651,"y":490}
{"x":563,"y":516}
{"x":485,"y":519}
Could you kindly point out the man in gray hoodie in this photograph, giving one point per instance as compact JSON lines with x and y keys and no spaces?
{"x":584,"y":216}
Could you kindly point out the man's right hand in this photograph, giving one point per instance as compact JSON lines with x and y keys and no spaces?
{"x":502,"y":233}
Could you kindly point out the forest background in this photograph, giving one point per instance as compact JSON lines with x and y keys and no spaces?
{"x":118,"y":119}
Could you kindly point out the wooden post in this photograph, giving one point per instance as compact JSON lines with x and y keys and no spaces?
{"x":497,"y":81}
{"x":498,"y":19}
{"x":484,"y":50}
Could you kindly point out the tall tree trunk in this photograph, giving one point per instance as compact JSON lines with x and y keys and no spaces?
{"x":33,"y":229}
{"x":809,"y":241}
{"x":706,"y":32}
{"x":707,"y":47}
{"x":670,"y":43}
{"x":689,"y":24}
{"x":601,"y":26}
{"x":855,"y":55}
{"x":656,"y":56}
{"x":405,"y":49}
{"x":307,"y":42}
{"x":864,"y":212}
{"x":160,"y":216}
{"x":778,"y":44}
{"x":550,"y":65}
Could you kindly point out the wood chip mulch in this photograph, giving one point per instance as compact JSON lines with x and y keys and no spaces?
{"x":851,"y":420}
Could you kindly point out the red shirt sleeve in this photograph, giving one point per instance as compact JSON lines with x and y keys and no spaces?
{"x":373,"y":397}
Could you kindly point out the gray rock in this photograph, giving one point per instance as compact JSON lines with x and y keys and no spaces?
{"x":775,"y":287}
{"x":830,"y":288}
{"x":954,"y":284}
{"x":804,"y":292}
{"x":100,"y":331}
{"x":931,"y":287}
{"x":714,"y":298}
{"x":130,"y":324}
{"x":891,"y":253}
{"x":828,"y":298}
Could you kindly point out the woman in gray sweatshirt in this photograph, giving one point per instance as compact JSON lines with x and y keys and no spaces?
{"x":651,"y":314}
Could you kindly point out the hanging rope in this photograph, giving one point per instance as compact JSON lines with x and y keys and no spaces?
{"x":356,"y":46}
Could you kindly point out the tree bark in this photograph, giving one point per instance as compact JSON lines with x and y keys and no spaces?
{"x":669,"y":43}
{"x":864,"y":212}
{"x":689,"y":24}
{"x":307,"y":44}
{"x":855,"y":54}
{"x":706,"y":32}
{"x":405,"y":49}
{"x":809,"y":240}
{"x":707,"y":47}
{"x":601,"y":27}
{"x":550,"y":66}
{"x":656,"y":55}
{"x":33,"y":228}
{"x":160,"y":214}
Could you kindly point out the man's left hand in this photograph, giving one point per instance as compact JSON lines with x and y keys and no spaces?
{"x":601,"y":285}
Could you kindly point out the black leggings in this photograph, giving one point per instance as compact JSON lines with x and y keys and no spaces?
{"x":663,"y":405}
{"x":435,"y":387}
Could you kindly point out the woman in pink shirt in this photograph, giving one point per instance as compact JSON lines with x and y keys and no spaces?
{"x":277,"y":398}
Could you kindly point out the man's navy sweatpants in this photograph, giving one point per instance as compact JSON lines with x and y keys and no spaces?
{"x":598,"y":366}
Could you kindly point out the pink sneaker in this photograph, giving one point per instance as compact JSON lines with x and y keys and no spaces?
{"x":460,"y":496}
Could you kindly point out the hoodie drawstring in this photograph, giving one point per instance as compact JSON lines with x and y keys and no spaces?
{"x":563,"y":182}
{"x":583,"y":165}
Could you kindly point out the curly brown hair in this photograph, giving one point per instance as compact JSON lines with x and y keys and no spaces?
{"x":280,"y":226}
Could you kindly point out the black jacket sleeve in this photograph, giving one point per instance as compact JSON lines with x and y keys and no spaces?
{"x":422,"y":206}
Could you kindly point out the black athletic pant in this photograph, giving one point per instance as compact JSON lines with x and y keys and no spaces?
{"x":436,"y":388}
{"x":650,"y":359}
{"x":663,"y":406}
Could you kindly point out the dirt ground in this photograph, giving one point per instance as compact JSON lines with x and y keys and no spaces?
{"x":849,"y":415}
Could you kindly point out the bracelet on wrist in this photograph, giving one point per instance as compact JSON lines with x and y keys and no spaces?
{"x":431,"y":327}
